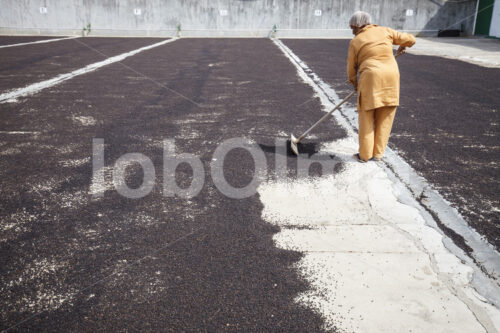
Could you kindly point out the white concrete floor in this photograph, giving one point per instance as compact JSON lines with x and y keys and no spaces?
{"x":374,"y":264}
{"x":480,"y":51}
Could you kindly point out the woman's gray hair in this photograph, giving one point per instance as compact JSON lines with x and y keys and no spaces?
{"x":360,"y":19}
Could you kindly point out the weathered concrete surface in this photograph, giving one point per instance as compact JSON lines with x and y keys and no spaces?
{"x":84,"y":264}
{"x":373,"y":263}
{"x":479,"y":51}
{"x":297,"y":18}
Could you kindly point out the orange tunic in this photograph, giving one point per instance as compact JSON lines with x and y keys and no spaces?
{"x":371,"y":56}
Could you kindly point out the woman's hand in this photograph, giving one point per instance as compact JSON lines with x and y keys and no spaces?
{"x":401,"y":50}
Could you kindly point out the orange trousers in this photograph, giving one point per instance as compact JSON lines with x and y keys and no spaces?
{"x":374,"y":131}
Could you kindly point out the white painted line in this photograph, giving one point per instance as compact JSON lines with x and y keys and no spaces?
{"x":38,"y":42}
{"x":36,"y":87}
{"x":18,"y":132}
{"x":375,"y":256}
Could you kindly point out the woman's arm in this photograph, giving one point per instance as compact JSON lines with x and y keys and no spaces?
{"x":402,"y":39}
{"x":352,"y":66}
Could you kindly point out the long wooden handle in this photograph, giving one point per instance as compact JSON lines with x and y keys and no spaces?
{"x":325,"y":116}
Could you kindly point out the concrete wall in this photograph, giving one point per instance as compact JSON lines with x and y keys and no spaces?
{"x":244,"y":17}
{"x":495,"y":20}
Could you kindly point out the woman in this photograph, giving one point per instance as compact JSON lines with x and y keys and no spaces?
{"x":371,"y":56}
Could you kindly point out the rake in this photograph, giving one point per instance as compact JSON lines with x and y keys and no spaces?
{"x":294,"y":141}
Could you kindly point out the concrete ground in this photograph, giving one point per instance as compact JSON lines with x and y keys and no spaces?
{"x":346,"y":248}
{"x":480,"y":51}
